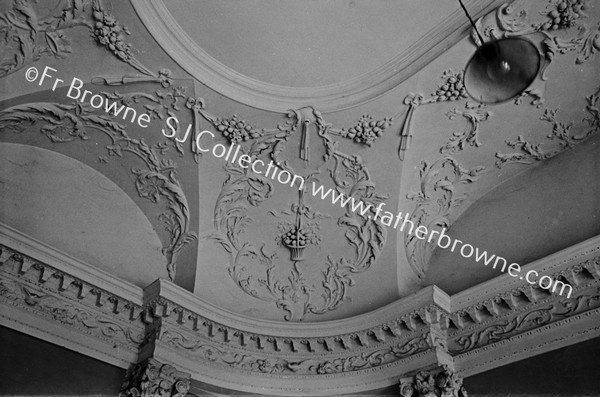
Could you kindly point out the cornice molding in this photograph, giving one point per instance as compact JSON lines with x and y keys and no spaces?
{"x":277,"y":98}
{"x":558,"y":264}
{"x":424,"y":306}
{"x":68,"y":265}
{"x":575,"y":329}
{"x":55,"y":297}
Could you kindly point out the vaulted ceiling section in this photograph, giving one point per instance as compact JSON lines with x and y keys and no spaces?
{"x":366,"y":98}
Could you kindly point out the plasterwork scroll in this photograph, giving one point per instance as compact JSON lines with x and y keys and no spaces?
{"x":440,"y":382}
{"x":29,"y":34}
{"x":251,"y":266}
{"x":559,"y":30}
{"x":153,"y":378}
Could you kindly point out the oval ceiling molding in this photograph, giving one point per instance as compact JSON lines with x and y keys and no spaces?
{"x":165,"y":29}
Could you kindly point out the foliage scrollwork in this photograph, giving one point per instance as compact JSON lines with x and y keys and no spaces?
{"x":26,"y":36}
{"x":277,"y":365}
{"x":64,"y":123}
{"x":296,"y":296}
{"x":522,"y":322}
{"x":435,"y":200}
{"x":529,"y":152}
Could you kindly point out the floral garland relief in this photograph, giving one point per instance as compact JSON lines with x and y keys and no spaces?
{"x":558,"y":19}
{"x":437,"y":195}
{"x":26,"y":36}
{"x":299,"y":225}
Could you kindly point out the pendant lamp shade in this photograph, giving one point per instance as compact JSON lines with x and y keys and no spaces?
{"x":501,"y":69}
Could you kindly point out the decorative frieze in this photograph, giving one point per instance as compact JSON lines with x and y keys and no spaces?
{"x":297,"y":364}
{"x":252,"y":264}
{"x":514,"y":323}
{"x":428,"y":330}
{"x":158,"y":181}
{"x":198,"y":330}
{"x":50,"y":294}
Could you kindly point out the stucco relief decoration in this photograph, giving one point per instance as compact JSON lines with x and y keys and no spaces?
{"x":291,"y":268}
{"x":313,"y":366}
{"x":163,"y":104}
{"x":63,"y":123}
{"x":254,"y":265}
{"x":235,"y":129}
{"x":61,"y":310}
{"x":26,"y":283}
{"x":558,"y":29}
{"x":521,"y":322}
{"x":9,"y":290}
{"x":301,"y":231}
{"x":553,"y":32}
{"x":436,"y":199}
{"x":440,"y":178}
{"x":469,"y":136}
{"x":109,"y":33}
{"x":367,"y":130}
{"x":445,"y":383}
{"x":452,"y":89}
{"x":565,"y":134}
{"x":152,"y":378}
{"x":26,"y":35}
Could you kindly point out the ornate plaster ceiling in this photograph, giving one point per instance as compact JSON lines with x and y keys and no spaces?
{"x":407,"y":135}
{"x":331,"y":55}
{"x":396,"y":128}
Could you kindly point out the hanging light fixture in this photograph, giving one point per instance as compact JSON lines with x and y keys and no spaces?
{"x":500,"y":69}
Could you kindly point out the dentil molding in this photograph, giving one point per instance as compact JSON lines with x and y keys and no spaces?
{"x":165,"y":331}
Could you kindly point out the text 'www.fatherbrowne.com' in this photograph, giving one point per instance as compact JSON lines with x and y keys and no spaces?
{"x":402,"y":221}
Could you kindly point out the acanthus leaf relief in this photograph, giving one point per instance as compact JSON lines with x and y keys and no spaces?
{"x":254,"y":266}
{"x":27,"y":35}
{"x":553,"y":33}
{"x":567,"y":134}
{"x":244,"y":360}
{"x":551,"y":30}
{"x":436,"y":199}
{"x":65,"y":123}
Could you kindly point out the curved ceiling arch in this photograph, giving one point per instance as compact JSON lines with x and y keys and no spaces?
{"x":530,"y":213}
{"x":79,"y":211}
{"x":176,"y":41}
